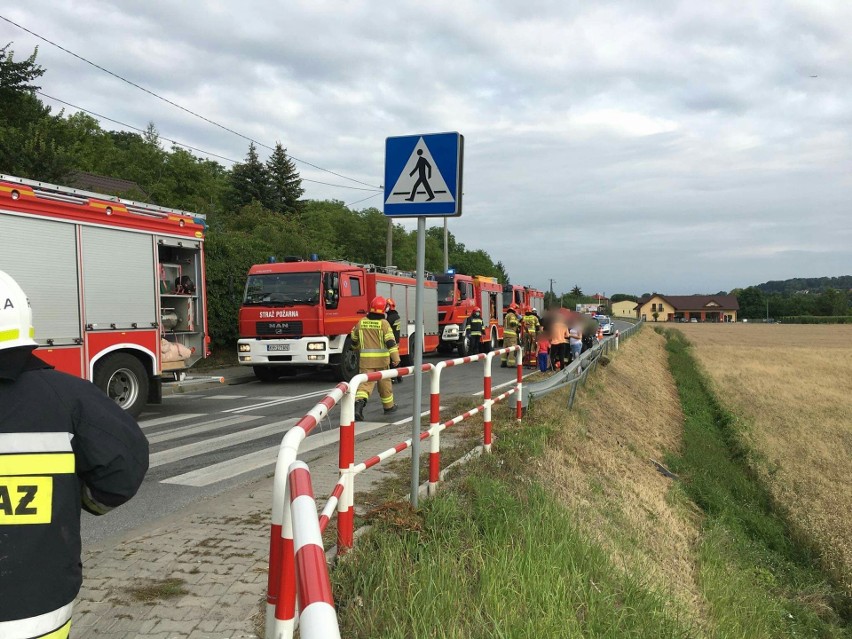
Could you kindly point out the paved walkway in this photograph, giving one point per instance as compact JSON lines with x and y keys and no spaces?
{"x":202,"y":573}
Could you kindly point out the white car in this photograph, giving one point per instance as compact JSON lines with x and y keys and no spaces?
{"x":605,"y":324}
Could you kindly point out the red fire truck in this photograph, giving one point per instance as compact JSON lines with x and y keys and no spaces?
{"x":116,"y":287}
{"x":457,"y":296}
{"x":298,"y":314}
{"x":523,"y":296}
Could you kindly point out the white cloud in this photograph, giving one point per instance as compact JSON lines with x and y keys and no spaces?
{"x":651,"y":144}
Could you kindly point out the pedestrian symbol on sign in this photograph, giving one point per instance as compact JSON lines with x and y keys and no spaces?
{"x":420,"y":180}
{"x":421,"y":168}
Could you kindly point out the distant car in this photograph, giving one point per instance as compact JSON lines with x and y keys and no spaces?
{"x":694,"y":319}
{"x":605,"y":324}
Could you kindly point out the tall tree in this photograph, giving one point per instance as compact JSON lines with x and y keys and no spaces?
{"x":285,"y":184}
{"x":576,"y":291}
{"x":502,"y":273}
{"x":249,"y":182}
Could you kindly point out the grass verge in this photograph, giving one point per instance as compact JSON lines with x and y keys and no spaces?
{"x":494,"y":556}
{"x":757,"y":578}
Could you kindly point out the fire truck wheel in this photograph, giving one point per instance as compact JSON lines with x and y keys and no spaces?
{"x":464,"y":346}
{"x":265,"y":373}
{"x":347,"y":366}
{"x":491,"y":344}
{"x":124,"y":379}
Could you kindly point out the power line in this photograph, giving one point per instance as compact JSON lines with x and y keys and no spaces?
{"x":369,"y":197}
{"x":187,"y":146}
{"x":175,"y":104}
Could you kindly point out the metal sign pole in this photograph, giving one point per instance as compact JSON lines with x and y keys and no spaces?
{"x":418,"y":359}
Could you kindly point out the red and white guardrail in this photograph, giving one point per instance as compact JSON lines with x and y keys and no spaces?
{"x":295,"y":549}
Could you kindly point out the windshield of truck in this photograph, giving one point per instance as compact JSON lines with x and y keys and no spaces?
{"x":519,"y":297}
{"x":282,"y":289}
{"x":446,"y":292}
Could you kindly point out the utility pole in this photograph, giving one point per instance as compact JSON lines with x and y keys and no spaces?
{"x":389,"y":247}
{"x":446,"y":252}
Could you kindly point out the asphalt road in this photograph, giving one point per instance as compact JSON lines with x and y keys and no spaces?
{"x":206,"y":442}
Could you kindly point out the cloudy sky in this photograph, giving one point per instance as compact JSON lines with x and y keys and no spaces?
{"x":624,"y":145}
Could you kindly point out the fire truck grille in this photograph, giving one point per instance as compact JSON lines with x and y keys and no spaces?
{"x":279,"y":329}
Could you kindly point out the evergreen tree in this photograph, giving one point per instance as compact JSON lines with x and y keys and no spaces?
{"x":285,"y":185}
{"x":249,"y":182}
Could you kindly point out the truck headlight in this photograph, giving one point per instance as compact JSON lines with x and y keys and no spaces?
{"x":245,"y":348}
{"x":316,"y":346}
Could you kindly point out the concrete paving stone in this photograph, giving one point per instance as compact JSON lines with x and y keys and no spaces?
{"x":184,"y":627}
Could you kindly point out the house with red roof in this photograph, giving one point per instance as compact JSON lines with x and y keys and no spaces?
{"x":677,"y":308}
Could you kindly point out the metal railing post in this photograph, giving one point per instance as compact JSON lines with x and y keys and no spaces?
{"x":486,"y":395}
{"x":519,"y":408}
{"x":434,"y":430}
{"x":346,"y":457}
{"x":316,"y":605}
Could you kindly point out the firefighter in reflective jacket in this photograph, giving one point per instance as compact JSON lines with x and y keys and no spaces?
{"x":395,"y":322}
{"x":510,"y":335}
{"x":63,"y":445}
{"x":373,"y":337}
{"x":474,"y":329}
{"x":531,"y":327}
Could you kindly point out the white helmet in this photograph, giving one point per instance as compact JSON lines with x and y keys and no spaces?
{"x":16,"y":316}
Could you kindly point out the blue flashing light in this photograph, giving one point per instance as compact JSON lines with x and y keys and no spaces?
{"x":272,"y":259}
{"x":314,"y":257}
{"x":451,"y":271}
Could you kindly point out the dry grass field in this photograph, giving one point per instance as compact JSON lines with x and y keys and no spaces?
{"x":630,"y":413}
{"x":792,"y":386}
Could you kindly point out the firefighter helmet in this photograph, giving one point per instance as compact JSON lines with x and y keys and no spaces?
{"x":476,"y":309}
{"x":378,"y":305}
{"x":391,"y":304}
{"x":16,"y":316}
{"x":513,"y":307}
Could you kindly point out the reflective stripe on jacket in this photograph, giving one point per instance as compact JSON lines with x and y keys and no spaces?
{"x":474,"y":325}
{"x":373,"y":337}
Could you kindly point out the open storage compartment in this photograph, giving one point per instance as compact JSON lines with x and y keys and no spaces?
{"x":181,"y":314}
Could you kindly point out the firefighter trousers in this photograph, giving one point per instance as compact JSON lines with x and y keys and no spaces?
{"x":509,"y":358}
{"x":385,"y":387}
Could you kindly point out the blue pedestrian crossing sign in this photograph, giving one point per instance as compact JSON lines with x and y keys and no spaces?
{"x":423,"y":175}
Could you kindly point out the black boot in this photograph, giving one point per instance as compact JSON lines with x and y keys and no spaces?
{"x":392,"y":409}
{"x":359,"y":409}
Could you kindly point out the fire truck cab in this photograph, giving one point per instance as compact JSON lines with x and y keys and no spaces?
{"x":458,"y":295}
{"x":297,"y":314}
{"x":116,"y":287}
{"x":523,"y":296}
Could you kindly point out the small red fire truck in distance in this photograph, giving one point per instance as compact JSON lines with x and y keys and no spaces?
{"x":116,"y":287}
{"x":458,"y":295}
{"x":298,"y":314}
{"x":523,"y":296}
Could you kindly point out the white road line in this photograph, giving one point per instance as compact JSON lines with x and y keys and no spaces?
{"x":277,"y":402}
{"x":262,"y":458}
{"x":225,"y":396}
{"x":186,"y":431}
{"x":217,"y":443}
{"x":148,"y":423}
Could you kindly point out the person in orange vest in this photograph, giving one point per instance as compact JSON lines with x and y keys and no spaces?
{"x":558,"y":341}
{"x":510,"y":335}
{"x":377,"y":350}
